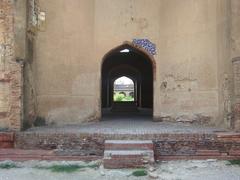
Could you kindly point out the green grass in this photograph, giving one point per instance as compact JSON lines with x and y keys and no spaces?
{"x":234,"y":162}
{"x":140,"y":172}
{"x":65,"y":168}
{"x":8,"y":166}
{"x":118,"y":97}
{"x":68,"y":168}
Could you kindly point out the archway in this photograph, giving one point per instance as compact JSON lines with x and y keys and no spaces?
{"x":135,"y":64}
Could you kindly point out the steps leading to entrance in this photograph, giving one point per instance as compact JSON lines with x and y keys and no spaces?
{"x":128,"y":154}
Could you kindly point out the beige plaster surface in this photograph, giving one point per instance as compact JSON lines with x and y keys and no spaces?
{"x":192,"y":54}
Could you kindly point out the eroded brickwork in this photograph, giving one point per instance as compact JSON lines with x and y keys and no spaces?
{"x":236,"y":105}
{"x":70,"y":144}
{"x":6,"y":140}
{"x":166,"y":146}
{"x":10,"y":70}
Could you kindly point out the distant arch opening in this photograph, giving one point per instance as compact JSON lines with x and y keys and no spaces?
{"x":135,"y":66}
{"x":123,"y":90}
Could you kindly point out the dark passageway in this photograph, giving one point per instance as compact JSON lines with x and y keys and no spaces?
{"x":132,"y":63}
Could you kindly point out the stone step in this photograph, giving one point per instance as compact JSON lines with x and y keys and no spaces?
{"x":127,"y":158}
{"x":128,"y":153}
{"x":128,"y":145}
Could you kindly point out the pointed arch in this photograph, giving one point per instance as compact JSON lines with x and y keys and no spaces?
{"x":130,"y":45}
{"x":131,"y":61}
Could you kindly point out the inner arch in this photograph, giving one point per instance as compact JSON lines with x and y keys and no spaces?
{"x":123,"y":89}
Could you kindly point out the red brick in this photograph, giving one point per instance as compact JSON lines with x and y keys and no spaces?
{"x":234,"y":152}
{"x":171,"y":158}
{"x":208,"y":153}
{"x":6,"y":145}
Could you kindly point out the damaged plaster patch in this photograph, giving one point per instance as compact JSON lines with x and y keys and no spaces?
{"x":141,"y":23}
{"x":198,"y":119}
{"x":194,"y":119}
{"x":173,"y":83}
{"x":226,"y":88}
{"x":2,"y":57}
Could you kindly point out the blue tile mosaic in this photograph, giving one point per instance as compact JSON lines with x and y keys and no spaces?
{"x":146,"y":44}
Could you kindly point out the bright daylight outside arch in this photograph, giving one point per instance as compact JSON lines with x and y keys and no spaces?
{"x":123,"y":89}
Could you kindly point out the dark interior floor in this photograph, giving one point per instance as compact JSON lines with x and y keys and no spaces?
{"x":143,"y":114}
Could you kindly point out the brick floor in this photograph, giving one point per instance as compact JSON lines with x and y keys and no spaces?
{"x":129,"y":124}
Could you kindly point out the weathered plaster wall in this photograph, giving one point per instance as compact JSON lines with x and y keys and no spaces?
{"x":235,"y":56}
{"x":66,"y":73}
{"x":187,"y":34}
{"x":235,"y":28}
{"x":192,"y":55}
{"x":225,"y":76}
{"x":188,"y":59}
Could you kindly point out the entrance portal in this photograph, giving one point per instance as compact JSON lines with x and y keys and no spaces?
{"x":133,"y":65}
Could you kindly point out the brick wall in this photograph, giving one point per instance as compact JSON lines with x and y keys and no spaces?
{"x":10,"y":70}
{"x":63,"y":143}
{"x":166,"y":146}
